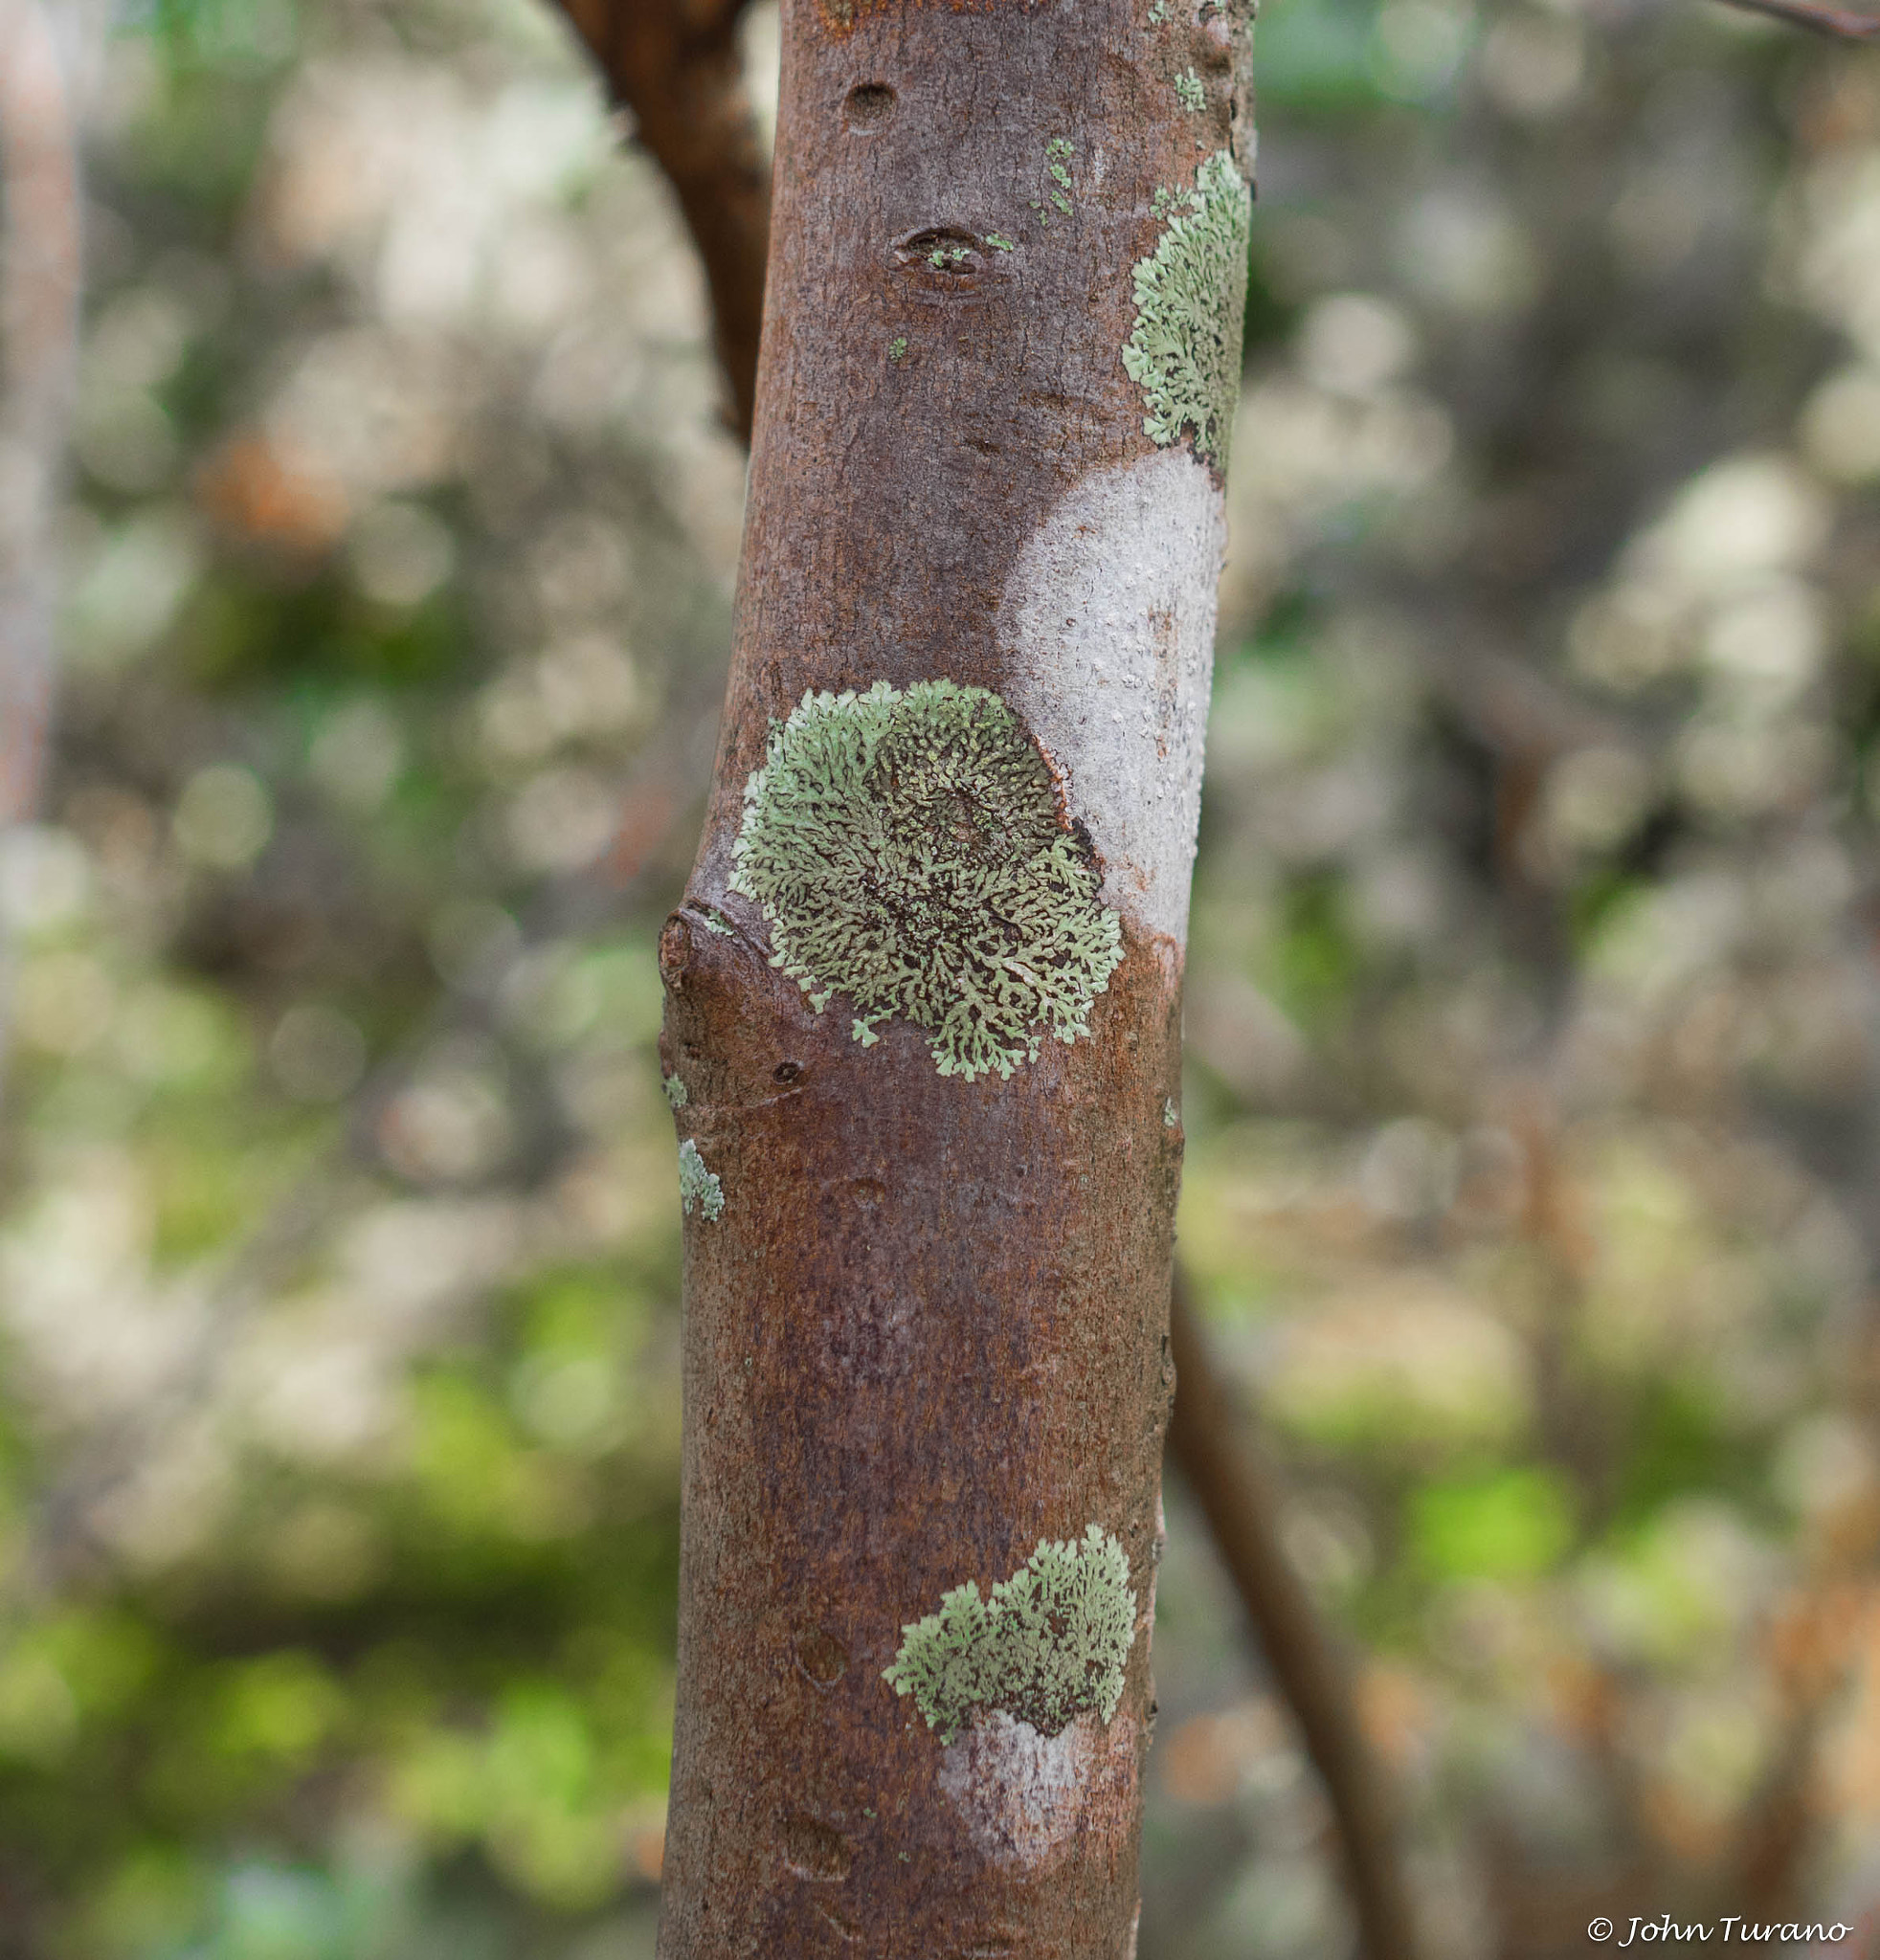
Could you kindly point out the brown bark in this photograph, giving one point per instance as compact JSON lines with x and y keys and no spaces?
{"x":1238,"y":1497}
{"x":678,"y":66}
{"x":928,"y":1332}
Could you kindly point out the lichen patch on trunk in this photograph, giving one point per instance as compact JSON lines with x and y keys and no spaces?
{"x":697,"y":1185}
{"x":1050,"y":1641}
{"x":1025,"y":1796}
{"x":911,"y":851}
{"x":1184,"y":352}
{"x":1108,"y":628}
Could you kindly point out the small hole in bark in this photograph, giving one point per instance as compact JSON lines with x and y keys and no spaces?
{"x":786,"y":1071}
{"x":869,"y":105}
{"x":943,"y":251}
{"x":822,"y":1658}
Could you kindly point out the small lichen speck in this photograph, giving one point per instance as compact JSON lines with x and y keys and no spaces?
{"x":1159,"y":14}
{"x":716,"y":924}
{"x":1193,"y":96}
{"x":1051,"y":1642}
{"x":897,"y":348}
{"x":1058,"y":153}
{"x":1170,"y":1118}
{"x":910,"y":852}
{"x":1000,"y":242}
{"x":1184,"y":352}
{"x":675,"y":1092}
{"x":698,"y":1185}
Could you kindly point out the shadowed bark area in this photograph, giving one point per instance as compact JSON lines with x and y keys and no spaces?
{"x":927,"y":1330}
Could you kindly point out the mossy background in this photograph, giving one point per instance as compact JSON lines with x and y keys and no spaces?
{"x":1531,"y":1047}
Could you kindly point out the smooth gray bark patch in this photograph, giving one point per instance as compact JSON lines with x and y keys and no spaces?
{"x":1026,"y":1797}
{"x":1108,"y":624}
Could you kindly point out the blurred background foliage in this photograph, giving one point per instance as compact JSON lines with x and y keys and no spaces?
{"x":1533,"y":1095}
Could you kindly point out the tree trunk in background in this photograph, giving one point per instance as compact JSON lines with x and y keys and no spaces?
{"x":923,"y":995}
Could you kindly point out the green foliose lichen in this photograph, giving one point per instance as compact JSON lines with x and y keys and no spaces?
{"x":1188,"y":88}
{"x":675,"y":1090}
{"x":697,"y":1185}
{"x":909,"y":853}
{"x":1191,"y":308}
{"x":1051,"y":1642}
{"x":1057,"y":193}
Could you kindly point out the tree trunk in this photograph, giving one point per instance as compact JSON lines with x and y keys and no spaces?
{"x":923,"y":995}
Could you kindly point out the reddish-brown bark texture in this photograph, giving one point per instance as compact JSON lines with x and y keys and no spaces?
{"x":928,"y":1328}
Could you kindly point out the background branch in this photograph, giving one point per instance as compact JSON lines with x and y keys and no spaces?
{"x":1239,"y":1498}
{"x":679,"y":69}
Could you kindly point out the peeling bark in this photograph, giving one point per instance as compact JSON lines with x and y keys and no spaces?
{"x":926,"y":1330}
